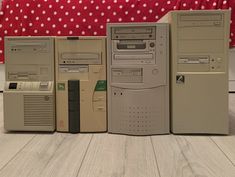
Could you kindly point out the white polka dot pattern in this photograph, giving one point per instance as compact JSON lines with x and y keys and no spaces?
{"x":89,"y":18}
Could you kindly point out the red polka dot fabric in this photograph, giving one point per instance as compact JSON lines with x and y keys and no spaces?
{"x":89,"y":17}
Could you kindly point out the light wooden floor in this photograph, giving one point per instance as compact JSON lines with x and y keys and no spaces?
{"x":106,"y":155}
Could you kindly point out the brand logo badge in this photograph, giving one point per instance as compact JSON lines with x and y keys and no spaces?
{"x":61,"y":86}
{"x":180,"y":79}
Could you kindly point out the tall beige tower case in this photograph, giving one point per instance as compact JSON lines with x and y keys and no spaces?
{"x":28,"y":97}
{"x":199,"y":71}
{"x":81,"y":84}
{"x":138,"y":83}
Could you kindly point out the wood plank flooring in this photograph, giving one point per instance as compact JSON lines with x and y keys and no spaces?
{"x":109,"y":155}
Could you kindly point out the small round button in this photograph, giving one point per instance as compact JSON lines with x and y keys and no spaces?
{"x":152,"y":44}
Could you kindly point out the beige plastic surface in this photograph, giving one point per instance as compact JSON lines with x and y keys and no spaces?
{"x":29,"y":58}
{"x":200,"y":103}
{"x":29,"y":64}
{"x":92,"y":103}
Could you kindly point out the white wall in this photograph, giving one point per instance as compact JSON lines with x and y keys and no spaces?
{"x":232,"y":69}
{"x":2,"y":76}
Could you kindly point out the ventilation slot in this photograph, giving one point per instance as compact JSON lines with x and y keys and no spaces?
{"x":38,"y":110}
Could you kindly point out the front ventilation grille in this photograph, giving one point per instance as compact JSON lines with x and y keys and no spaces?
{"x":38,"y":110}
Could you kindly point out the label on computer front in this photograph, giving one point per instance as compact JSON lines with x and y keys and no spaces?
{"x":180,"y":79}
{"x":101,"y":85}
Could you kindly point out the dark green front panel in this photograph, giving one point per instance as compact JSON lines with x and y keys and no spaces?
{"x":101,"y":85}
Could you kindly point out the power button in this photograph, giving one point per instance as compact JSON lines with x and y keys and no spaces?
{"x":152,"y":44}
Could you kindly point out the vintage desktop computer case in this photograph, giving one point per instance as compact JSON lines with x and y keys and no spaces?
{"x":138,"y":78}
{"x":81,"y":84}
{"x":29,"y":97}
{"x":199,"y":71}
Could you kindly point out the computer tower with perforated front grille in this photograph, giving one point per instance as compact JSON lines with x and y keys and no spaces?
{"x":138,"y":78}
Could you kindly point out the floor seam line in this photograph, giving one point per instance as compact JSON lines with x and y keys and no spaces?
{"x":222,"y":151}
{"x":53,"y":154}
{"x":85,"y":155}
{"x":186,"y":159}
{"x":18,"y":152}
{"x":155,"y":157}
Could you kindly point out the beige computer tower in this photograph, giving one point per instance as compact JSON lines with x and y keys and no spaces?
{"x":138,"y":78}
{"x":28,"y":96}
{"x":81,"y":84}
{"x":199,"y":71}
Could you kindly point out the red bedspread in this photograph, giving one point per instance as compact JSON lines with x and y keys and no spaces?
{"x":89,"y":17}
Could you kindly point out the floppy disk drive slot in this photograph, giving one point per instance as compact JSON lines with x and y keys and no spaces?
{"x":27,"y":44}
{"x":134,"y":57}
{"x":127,"y":75}
{"x":80,"y":58}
